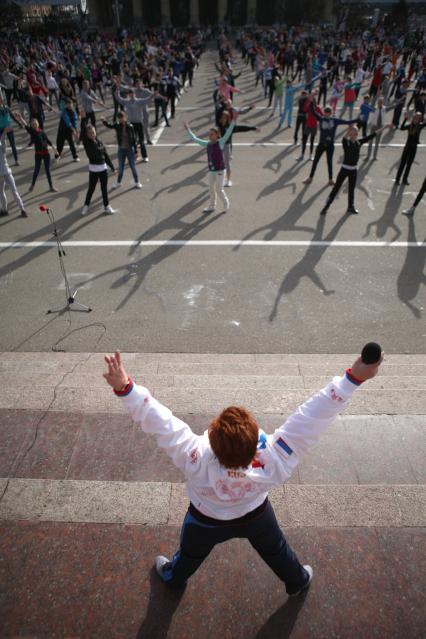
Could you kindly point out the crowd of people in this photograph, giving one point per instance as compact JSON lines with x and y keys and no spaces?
{"x":367,"y":81}
{"x":73,"y":77}
{"x":376,"y":78}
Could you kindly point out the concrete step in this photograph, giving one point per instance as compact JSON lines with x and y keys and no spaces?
{"x":153,"y":503}
{"x":204,"y":383}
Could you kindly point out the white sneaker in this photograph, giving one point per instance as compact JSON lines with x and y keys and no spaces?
{"x":109,"y":210}
{"x":228,"y":183}
{"x":85,"y":210}
{"x":409,"y":211}
{"x":77,"y":159}
{"x":209,"y":209}
{"x":160,"y":561}
{"x":145,"y":159}
{"x":138,"y":185}
{"x":311,"y":157}
{"x":310,"y":572}
{"x":116,"y":185}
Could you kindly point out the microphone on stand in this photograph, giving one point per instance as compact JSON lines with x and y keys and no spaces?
{"x":43,"y":208}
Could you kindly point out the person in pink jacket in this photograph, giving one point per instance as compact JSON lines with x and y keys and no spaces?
{"x":226,"y":90}
{"x":231,"y":468}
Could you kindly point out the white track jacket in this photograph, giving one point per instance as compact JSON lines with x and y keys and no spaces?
{"x":224,"y":493}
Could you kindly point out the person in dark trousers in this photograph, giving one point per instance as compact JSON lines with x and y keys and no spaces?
{"x":414,"y":128}
{"x":126,"y":142}
{"x":160,"y":104}
{"x":420,"y":194}
{"x":67,"y":130}
{"x":224,"y":123}
{"x":231,"y":468}
{"x":36,"y":106}
{"x":323,"y":80}
{"x":351,"y":149}
{"x":173,"y":87}
{"x":188,"y":69}
{"x":301,"y":114}
{"x":327,"y":125}
{"x":99,"y":161}
{"x":400,"y":97}
{"x":41,"y":147}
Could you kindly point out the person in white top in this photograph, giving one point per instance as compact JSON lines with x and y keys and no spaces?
{"x":231,"y":468}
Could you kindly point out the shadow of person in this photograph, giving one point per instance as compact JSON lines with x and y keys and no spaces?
{"x":282,"y":621}
{"x":307,"y":265}
{"x":163,"y":602}
{"x":387,"y":219}
{"x":287,"y":221}
{"x":412,"y":274}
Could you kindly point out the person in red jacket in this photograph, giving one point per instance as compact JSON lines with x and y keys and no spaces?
{"x":311,"y":124}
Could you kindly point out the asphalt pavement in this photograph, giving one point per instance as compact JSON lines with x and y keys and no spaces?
{"x":270,"y":275}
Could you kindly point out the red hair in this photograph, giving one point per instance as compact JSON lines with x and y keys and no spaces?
{"x":233,"y":436}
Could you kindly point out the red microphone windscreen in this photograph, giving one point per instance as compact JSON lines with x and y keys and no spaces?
{"x":43,"y":208}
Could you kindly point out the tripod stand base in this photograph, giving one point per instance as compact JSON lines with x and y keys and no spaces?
{"x":71,"y":305}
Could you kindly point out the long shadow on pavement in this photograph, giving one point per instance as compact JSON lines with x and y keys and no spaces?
{"x":307,"y":265}
{"x":141,"y":267}
{"x":163,"y":602}
{"x":282,"y":622}
{"x":287,"y":222}
{"x":387,"y":219}
{"x":412,"y":274}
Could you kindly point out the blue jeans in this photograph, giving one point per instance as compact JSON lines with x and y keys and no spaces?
{"x":130,"y":155}
{"x":197,"y":539}
{"x":288,"y":111}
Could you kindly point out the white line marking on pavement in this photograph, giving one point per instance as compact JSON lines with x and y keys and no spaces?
{"x":213,"y":243}
{"x":234,"y":144}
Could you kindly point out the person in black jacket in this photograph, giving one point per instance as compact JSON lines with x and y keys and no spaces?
{"x":414,"y":128}
{"x":351,"y":148}
{"x":41,"y":147}
{"x":98,"y":162}
{"x":126,"y":142}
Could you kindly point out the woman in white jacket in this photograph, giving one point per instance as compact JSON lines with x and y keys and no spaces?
{"x":231,"y":468}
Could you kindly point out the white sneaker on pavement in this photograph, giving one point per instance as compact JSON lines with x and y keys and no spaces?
{"x":409,"y":211}
{"x":310,"y":572}
{"x":138,"y":185}
{"x":109,"y":210}
{"x":145,"y":159}
{"x":209,"y":209}
{"x":160,"y":561}
{"x":228,"y":183}
{"x":85,"y":210}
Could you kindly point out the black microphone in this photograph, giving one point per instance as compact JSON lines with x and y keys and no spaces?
{"x":371,"y":353}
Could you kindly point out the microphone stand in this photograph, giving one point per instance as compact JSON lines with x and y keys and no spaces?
{"x":71,"y":302}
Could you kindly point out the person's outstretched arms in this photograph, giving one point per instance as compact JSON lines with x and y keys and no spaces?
{"x":193,"y":136}
{"x":182,"y":445}
{"x":302,"y":429}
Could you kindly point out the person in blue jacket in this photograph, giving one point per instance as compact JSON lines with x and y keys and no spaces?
{"x":67,"y":130}
{"x":327,"y":125}
{"x":289,"y":93}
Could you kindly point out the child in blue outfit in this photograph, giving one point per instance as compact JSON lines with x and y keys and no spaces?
{"x":216,"y":162}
